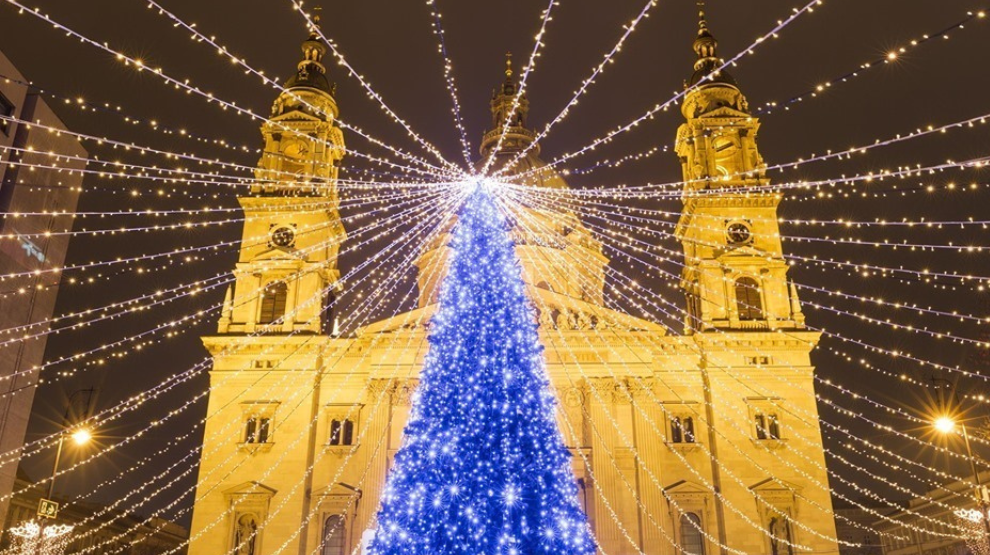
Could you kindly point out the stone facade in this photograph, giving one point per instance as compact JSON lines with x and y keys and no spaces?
{"x":706,"y":442}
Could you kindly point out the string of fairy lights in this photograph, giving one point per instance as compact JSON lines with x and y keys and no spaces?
{"x":357,"y":314}
{"x":874,"y":512}
{"x":403,"y":201}
{"x":46,"y":442}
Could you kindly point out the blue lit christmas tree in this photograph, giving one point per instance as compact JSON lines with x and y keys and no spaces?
{"x":483,"y":468}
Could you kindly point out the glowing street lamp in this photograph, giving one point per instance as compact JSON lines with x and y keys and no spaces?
{"x":946,"y":425}
{"x":48,"y":532}
{"x":82,"y":436}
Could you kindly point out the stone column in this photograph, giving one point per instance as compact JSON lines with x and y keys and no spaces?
{"x":376,"y":463}
{"x":648,"y":420}
{"x":601,"y":401}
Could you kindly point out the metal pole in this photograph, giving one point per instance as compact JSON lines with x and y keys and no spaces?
{"x":979,"y":486}
{"x":51,"y":491}
{"x":58,"y":458}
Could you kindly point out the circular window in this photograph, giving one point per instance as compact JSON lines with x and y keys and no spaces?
{"x":738,"y":233}
{"x":284,"y":237}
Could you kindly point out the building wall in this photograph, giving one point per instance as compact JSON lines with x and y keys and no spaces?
{"x":616,"y":399}
{"x":856,"y":526}
{"x":25,"y":190}
{"x":919,"y":528}
{"x":621,"y":382}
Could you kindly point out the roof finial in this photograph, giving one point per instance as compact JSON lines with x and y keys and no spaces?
{"x":705,"y":44}
{"x":508,"y":64}
{"x":315,"y":25}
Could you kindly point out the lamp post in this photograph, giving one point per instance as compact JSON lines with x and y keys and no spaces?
{"x":80,"y":436}
{"x":946,"y":425}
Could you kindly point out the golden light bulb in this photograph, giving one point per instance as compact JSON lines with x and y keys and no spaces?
{"x":944,"y":424}
{"x":82,"y":436}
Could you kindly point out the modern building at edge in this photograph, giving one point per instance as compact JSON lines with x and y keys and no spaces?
{"x":37,"y":195}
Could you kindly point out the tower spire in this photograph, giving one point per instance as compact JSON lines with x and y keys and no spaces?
{"x":508,"y":111}
{"x":315,"y":28}
{"x":310,"y":72}
{"x":706,"y":67}
{"x":705,"y":45}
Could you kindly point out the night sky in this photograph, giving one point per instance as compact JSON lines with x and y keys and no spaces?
{"x":392,"y":45}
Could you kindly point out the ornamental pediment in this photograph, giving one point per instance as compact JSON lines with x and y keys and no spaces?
{"x":684,"y":488}
{"x":337,"y":492}
{"x":250,"y":488}
{"x":744,"y":250}
{"x":297,"y":115}
{"x":725,"y":112}
{"x":275,"y":253}
{"x":774,"y":486}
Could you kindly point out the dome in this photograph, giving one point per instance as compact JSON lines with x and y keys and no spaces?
{"x":311,"y":80}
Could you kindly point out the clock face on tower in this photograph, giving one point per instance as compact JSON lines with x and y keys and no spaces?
{"x":738,"y":233}
{"x":295,"y":156}
{"x":284,"y":237}
{"x":297,"y":151}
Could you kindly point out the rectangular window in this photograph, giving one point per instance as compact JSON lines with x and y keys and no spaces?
{"x":773,"y":426}
{"x":682,"y":429}
{"x":767,"y":426}
{"x":688,"y":425}
{"x":6,"y":110}
{"x":341,"y":432}
{"x":257,"y":429}
{"x":764,"y":361}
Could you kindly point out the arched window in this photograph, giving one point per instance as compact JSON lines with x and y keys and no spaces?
{"x":341,"y":432}
{"x":273,"y":302}
{"x":692,"y":541}
{"x":334,"y":541}
{"x":748,"y":302}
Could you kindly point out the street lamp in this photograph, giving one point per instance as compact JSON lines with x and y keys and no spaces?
{"x":946,"y":425}
{"x":82,"y":436}
{"x":47,"y":507}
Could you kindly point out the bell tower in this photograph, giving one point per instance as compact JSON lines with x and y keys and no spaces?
{"x":735,"y":274}
{"x":508,"y":121}
{"x":292,"y":230}
{"x":274,"y":326}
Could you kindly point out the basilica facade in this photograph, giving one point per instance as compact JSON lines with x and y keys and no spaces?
{"x":703,"y":442}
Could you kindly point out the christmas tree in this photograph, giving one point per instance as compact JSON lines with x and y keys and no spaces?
{"x":482,"y":468}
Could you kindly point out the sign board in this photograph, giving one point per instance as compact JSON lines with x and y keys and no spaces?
{"x":47,"y":508}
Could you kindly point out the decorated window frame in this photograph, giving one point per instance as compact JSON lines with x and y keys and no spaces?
{"x":258,"y":422}
{"x":683,"y":424}
{"x":342,"y":425}
{"x":766,"y":420}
